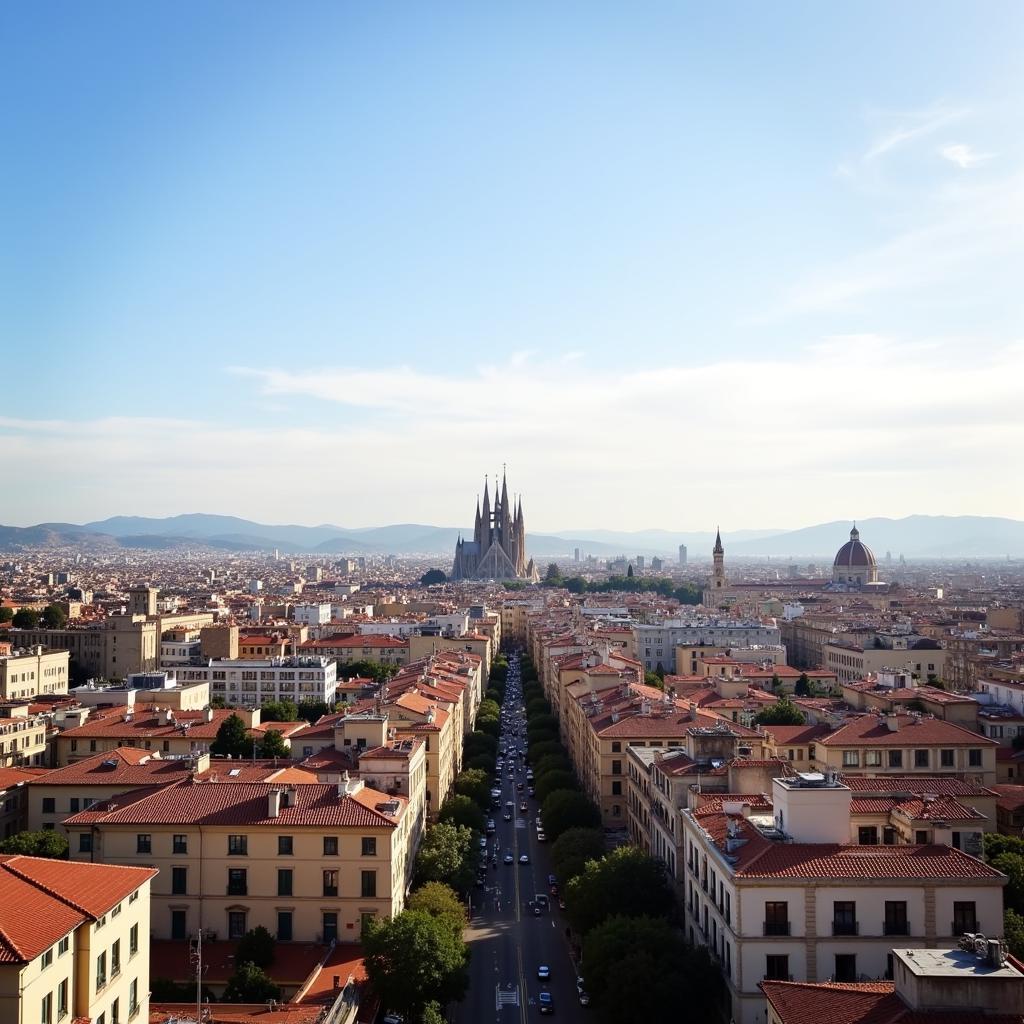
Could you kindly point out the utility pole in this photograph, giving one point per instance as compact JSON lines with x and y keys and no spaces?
{"x":197,"y":960}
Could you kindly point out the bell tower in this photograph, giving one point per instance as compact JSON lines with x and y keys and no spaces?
{"x":718,"y":580}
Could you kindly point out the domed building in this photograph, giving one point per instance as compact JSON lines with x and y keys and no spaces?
{"x":854,"y":565}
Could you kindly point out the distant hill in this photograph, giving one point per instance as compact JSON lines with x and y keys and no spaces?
{"x":914,"y":537}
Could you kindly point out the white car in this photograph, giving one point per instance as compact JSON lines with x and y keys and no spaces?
{"x":524,"y":858}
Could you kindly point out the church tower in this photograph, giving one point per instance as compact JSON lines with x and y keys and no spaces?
{"x":718,"y":581}
{"x":498,"y":548}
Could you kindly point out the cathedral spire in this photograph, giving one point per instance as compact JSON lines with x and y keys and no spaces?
{"x":718,"y":549}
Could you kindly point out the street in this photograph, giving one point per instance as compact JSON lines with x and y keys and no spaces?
{"x":508,"y":941}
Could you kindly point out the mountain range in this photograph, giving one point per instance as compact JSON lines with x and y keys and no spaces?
{"x":912,"y":536}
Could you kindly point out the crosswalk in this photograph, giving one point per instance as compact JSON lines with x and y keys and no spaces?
{"x":506,"y":996}
{"x":520,"y":823}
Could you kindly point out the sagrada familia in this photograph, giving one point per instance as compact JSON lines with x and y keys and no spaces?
{"x":498,"y":548}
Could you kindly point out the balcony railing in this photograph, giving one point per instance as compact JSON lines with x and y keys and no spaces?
{"x":776,"y":928}
{"x":896,"y":928}
{"x":845,"y":928}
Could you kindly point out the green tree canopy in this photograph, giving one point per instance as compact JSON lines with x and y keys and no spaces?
{"x":537,"y":706}
{"x":232,"y":739}
{"x":37,"y":844}
{"x":551,"y":763}
{"x":625,"y":881}
{"x":573,"y":848}
{"x":489,"y":709}
{"x":1013,"y":932}
{"x":25,"y":618}
{"x":542,"y":723}
{"x":803,"y":686}
{"x":54,"y":617}
{"x":414,"y":959}
{"x":249,"y":984}
{"x":366,"y":670}
{"x":782,"y":712}
{"x":445,"y":855}
{"x":546,"y":784}
{"x":256,"y":946}
{"x":6,"y":614}
{"x":542,"y":748}
{"x":1011,"y":865}
{"x":279,"y":711}
{"x":553,"y":576}
{"x":273,"y":745}
{"x":484,"y":762}
{"x":476,"y":784}
{"x":462,"y":810}
{"x":479,"y":743}
{"x":662,"y":971}
{"x":440,"y":901}
{"x":568,"y":808}
{"x":432,"y":577}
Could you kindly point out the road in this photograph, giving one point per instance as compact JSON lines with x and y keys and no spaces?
{"x":508,"y":942}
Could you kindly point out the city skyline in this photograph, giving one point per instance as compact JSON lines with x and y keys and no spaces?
{"x":698,"y":245}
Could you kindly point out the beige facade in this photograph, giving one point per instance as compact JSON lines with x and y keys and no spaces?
{"x":29,"y":672}
{"x":850,"y":662}
{"x":122,"y":644}
{"x":476,"y":643}
{"x":23,"y":741}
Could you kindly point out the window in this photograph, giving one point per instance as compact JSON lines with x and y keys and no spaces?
{"x":889,"y":836}
{"x":616,"y":747}
{"x":134,"y":896}
{"x":330,"y":882}
{"x":46,"y":1015}
{"x":921,"y":837}
{"x":946,"y":759}
{"x":844,"y":917}
{"x":115,"y":1012}
{"x":616,"y":767}
{"x":238,"y":884}
{"x":143,"y":843}
{"x":73,"y":805}
{"x":47,"y":958}
{"x":115,"y":958}
{"x":776,"y":968}
{"x":62,"y":999}
{"x":895,"y":758}
{"x":974,"y":758}
{"x":846,"y":967}
{"x":616,"y":789}
{"x":330,"y":846}
{"x":369,"y":846}
{"x":872,"y":759}
{"x":330,"y":925}
{"x":179,"y":881}
{"x":896,"y":918}
{"x":776,"y":918}
{"x":284,"y":881}
{"x":284,"y":925}
{"x":867,"y":835}
{"x":63,"y":946}
{"x":179,"y":844}
{"x":133,"y":940}
{"x":965,"y":918}
{"x":369,"y":885}
{"x":851,"y":759}
{"x":921,"y":759}
{"x":49,"y":805}
{"x":101,"y":970}
{"x":179,"y":925}
{"x":133,"y":997}
{"x":238,"y":846}
{"x":284,"y":846}
{"x":236,"y":924}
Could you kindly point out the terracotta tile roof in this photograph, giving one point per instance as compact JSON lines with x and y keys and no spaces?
{"x":797,"y":1002}
{"x":12,"y":777}
{"x":712,"y":802}
{"x":146,"y":725}
{"x":355,"y":640}
{"x":873,"y":805}
{"x":913,"y":785}
{"x":122,"y":766}
{"x":1010,"y":797}
{"x":40,"y":902}
{"x":243,"y":803}
{"x":789,"y":734}
{"x":236,"y":1013}
{"x":871,"y":730}
{"x":943,"y":808}
{"x":293,"y":962}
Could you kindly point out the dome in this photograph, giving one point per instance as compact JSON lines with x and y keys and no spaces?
{"x":853,"y":554}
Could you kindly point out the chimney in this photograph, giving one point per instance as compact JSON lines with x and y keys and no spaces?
{"x":209,"y":714}
{"x":289,"y":796}
{"x":274,"y":803}
{"x":892,"y":723}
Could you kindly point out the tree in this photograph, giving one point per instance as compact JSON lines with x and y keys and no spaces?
{"x":445,"y":856}
{"x":1013,"y":932}
{"x":462,"y":810}
{"x":432,"y":577}
{"x":662,"y":970}
{"x":996,"y":843}
{"x":626,"y":881}
{"x":249,"y":984}
{"x":553,"y":576}
{"x":414,"y":959}
{"x":489,"y":709}
{"x":475,"y":784}
{"x":803,"y":686}
{"x":479,"y":743}
{"x":279,"y":711}
{"x":54,"y":617}
{"x":432,"y":1013}
{"x":485,"y":762}
{"x":442,"y":902}
{"x":537,"y":706}
{"x":568,"y":808}
{"x":535,"y":751}
{"x":653,"y":679}
{"x":37,"y":844}
{"x":542,"y":723}
{"x":232,"y":739}
{"x":782,"y":712}
{"x":573,"y":848}
{"x":1011,"y":865}
{"x":163,"y":990}
{"x":6,"y":614}
{"x":552,"y":763}
{"x":548,"y":783}
{"x":256,"y":946}
{"x":629,"y":571}
{"x":25,"y":618}
{"x":273,"y":745}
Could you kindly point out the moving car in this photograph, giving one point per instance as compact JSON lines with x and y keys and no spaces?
{"x":546,"y":1003}
{"x":524,"y":858}
{"x":490,"y":826}
{"x":541,"y":837}
{"x":543,"y":972}
{"x":508,"y":858}
{"x":522,"y":806}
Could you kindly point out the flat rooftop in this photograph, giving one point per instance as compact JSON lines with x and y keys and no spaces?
{"x":953,"y":963}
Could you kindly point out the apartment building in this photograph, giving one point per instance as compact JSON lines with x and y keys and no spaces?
{"x":418,"y":716}
{"x":430,"y":642}
{"x":784,"y":896}
{"x":14,"y":800}
{"x":109,"y":650}
{"x":346,"y":650}
{"x":311,"y":863}
{"x":250,"y":682}
{"x":907,"y":744}
{"x":851,"y":661}
{"x":74,"y":945}
{"x":655,"y":643}
{"x":27,"y":672}
{"x":23,"y":739}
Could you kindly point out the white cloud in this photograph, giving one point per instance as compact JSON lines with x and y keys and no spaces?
{"x":675,"y":446}
{"x":963,"y":156}
{"x":910,"y":127}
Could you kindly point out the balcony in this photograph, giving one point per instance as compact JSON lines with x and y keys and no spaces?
{"x":776,"y":927}
{"x":845,"y":928}
{"x":896,"y":928}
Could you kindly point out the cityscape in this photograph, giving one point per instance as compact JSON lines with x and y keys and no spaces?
{"x":512,"y":512}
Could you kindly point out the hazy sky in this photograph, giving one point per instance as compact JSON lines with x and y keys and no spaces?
{"x":677,"y":264}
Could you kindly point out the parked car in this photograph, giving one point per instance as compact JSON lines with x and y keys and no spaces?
{"x":546,"y":1003}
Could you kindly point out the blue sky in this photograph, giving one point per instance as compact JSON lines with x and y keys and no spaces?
{"x":677,"y":264}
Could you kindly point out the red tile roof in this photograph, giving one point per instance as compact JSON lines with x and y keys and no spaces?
{"x":797,"y":1002}
{"x":355,"y":640}
{"x":941,"y":785}
{"x":943,"y":808}
{"x":872,"y":730}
